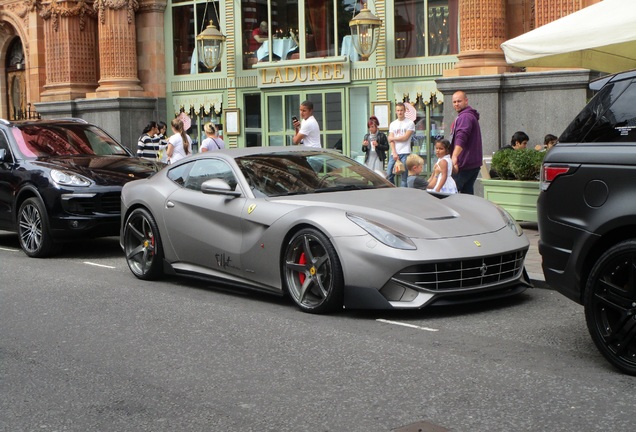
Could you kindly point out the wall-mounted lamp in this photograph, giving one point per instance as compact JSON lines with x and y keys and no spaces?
{"x":210,"y":43}
{"x":365,"y":32}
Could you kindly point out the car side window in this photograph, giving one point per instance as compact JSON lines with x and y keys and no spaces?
{"x":179,"y":174}
{"x":4,"y":145}
{"x":207,"y":169}
{"x":619,"y":122}
{"x":609,"y":117}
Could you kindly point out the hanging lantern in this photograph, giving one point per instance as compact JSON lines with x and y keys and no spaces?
{"x":365,"y":32}
{"x":210,"y":44}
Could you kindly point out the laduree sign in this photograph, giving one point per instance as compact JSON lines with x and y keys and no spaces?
{"x":285,"y":75}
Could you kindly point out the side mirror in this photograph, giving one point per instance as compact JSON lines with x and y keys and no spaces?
{"x":3,"y":155}
{"x":218,"y":187}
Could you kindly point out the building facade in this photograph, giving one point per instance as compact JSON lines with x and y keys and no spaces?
{"x":122,"y":63}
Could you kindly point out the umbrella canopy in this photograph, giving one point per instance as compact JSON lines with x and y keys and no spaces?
{"x":600,"y":37}
{"x":411,"y":112}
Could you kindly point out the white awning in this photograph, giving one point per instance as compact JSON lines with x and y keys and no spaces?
{"x":205,"y":101}
{"x":425,"y":88}
{"x":600,"y":37}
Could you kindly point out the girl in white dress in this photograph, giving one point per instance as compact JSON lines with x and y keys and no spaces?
{"x":441,"y":180}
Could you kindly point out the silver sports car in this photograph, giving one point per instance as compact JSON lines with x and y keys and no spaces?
{"x":320,"y":227}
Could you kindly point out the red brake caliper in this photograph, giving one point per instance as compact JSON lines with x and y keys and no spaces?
{"x":301,"y":275}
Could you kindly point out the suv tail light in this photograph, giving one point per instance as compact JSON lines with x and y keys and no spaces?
{"x":550,"y":172}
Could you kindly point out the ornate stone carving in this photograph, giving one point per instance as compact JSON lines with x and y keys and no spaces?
{"x":22,"y":9}
{"x":55,"y":10}
{"x":131,"y":7}
{"x":551,"y":10}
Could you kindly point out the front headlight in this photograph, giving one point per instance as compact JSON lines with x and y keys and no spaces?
{"x":383,"y":233}
{"x":510,"y":221}
{"x":69,"y":178}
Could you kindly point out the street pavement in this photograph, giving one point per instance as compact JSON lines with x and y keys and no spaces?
{"x":533,"y":259}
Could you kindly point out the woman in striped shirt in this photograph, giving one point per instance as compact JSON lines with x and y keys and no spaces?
{"x":148,"y":143}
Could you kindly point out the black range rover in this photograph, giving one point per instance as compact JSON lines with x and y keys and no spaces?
{"x":587,"y":217}
{"x":62,"y":179}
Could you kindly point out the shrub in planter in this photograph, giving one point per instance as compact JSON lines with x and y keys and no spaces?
{"x":522,"y":164}
{"x":500,"y":164}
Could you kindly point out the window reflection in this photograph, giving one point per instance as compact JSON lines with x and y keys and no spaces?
{"x":184,"y":32}
{"x":425,"y":28}
{"x":295,"y":29}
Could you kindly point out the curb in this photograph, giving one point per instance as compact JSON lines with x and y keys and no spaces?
{"x":537,"y":280}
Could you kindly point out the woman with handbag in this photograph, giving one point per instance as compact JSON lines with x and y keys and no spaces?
{"x":374,"y":145}
{"x":212,"y":141}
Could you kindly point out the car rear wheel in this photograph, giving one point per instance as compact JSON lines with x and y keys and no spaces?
{"x":312,"y":272}
{"x":33,"y":229}
{"x":142,"y":245}
{"x":610,"y":305}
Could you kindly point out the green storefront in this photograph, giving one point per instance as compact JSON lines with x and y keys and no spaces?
{"x":254,"y":91}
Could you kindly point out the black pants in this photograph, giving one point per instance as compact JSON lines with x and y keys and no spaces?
{"x":465,"y":180}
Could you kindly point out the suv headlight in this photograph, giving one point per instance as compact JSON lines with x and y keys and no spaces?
{"x":383,"y":233}
{"x":69,"y":178}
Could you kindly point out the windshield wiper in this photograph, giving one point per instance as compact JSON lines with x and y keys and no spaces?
{"x":290,"y":193}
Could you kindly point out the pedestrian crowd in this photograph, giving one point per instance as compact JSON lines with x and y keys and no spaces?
{"x":459,"y":159}
{"x":153,"y":143}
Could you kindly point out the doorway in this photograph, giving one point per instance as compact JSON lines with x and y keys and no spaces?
{"x":17,"y":105}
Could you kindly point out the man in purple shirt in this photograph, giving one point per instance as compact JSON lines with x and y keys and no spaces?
{"x":466,"y":140}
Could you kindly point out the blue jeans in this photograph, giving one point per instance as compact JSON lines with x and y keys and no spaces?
{"x":389,"y":170}
{"x":465,"y":180}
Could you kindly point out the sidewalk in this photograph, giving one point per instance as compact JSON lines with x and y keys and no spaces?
{"x":533,"y":259}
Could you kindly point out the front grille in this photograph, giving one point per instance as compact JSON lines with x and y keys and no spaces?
{"x":462,"y":274}
{"x":106,"y":203}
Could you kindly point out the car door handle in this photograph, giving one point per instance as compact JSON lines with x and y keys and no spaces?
{"x":169,"y":204}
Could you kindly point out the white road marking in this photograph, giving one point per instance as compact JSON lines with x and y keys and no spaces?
{"x":99,"y":265}
{"x":407,"y":325}
{"x":9,"y":250}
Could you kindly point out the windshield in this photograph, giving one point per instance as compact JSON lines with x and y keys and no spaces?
{"x":65,"y":139}
{"x":294,"y":173}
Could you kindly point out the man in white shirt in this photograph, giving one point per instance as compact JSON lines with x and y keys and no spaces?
{"x":400,"y":132}
{"x":307,"y":130}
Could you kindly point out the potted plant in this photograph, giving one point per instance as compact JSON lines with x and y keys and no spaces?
{"x":516,"y":187}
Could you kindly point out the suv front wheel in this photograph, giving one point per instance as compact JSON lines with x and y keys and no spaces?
{"x":610,"y":305}
{"x":33,"y":229}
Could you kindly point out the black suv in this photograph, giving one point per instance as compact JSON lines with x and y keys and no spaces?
{"x":61,"y":179}
{"x":587,"y":217}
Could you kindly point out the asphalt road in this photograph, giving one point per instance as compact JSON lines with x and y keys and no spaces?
{"x":84,"y":346}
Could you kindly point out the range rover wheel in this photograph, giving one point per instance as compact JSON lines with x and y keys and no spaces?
{"x":142,"y":245}
{"x":33,"y":229}
{"x":312,"y":272}
{"x":610,"y":305}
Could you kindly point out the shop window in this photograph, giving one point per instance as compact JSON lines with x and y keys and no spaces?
{"x":188,"y":20}
{"x":290,"y":30}
{"x":425,"y":28}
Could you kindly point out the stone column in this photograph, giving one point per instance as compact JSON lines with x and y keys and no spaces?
{"x":117,"y":49}
{"x":549,"y":10}
{"x":70,"y":49}
{"x":151,"y":53}
{"x":482,"y":30}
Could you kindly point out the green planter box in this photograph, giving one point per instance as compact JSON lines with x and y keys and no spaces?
{"x":519,"y":198}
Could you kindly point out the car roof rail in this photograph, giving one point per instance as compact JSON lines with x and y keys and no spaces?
{"x":599,"y":83}
{"x":74,"y":119}
{"x":5,"y":121}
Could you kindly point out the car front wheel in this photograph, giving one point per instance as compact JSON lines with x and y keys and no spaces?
{"x":33,"y":229}
{"x":142,"y":245}
{"x":312,"y":272}
{"x":610,"y":305}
